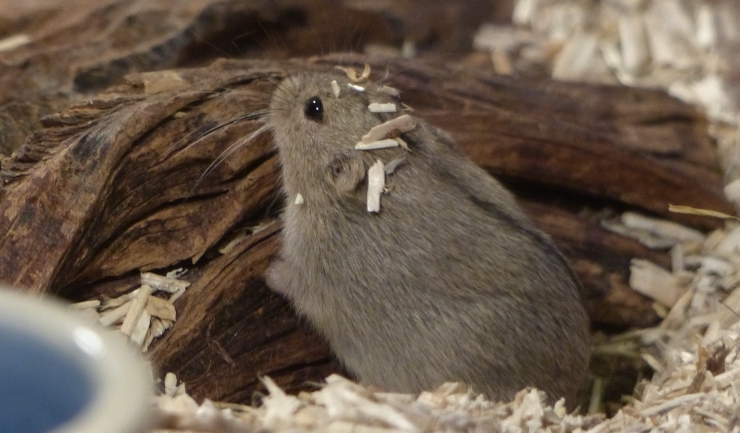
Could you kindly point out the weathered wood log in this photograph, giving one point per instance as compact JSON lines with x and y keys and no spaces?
{"x":53,"y":53}
{"x":115,"y":185}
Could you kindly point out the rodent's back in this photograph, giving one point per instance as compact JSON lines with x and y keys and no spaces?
{"x":449,"y":281}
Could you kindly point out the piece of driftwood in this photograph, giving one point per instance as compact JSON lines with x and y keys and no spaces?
{"x":117,"y":184}
{"x":53,"y":53}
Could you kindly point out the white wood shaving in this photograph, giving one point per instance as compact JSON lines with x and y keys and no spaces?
{"x":85,"y":305}
{"x":161,"y":308}
{"x":299,"y":199}
{"x":400,"y":124}
{"x":136,"y":310}
{"x":236,"y":240}
{"x":142,"y":317}
{"x":149,"y":336}
{"x":159,"y":326}
{"x":375,"y":186}
{"x":677,"y":259}
{"x":375,"y":145}
{"x":662,"y":228}
{"x":671,"y":404}
{"x":655,"y":282}
{"x":634,"y":43}
{"x":116,"y":315}
{"x":168,"y":284}
{"x":118,"y":301}
{"x":646,"y":238}
{"x":732,"y":189}
{"x":13,"y":42}
{"x":335,"y":88}
{"x":388,"y":90}
{"x":175,"y":296}
{"x":344,"y":406}
{"x":730,"y":244}
{"x":402,"y":143}
{"x":377,"y":107}
{"x":139,"y":333}
{"x":170,"y":384}
{"x":355,"y":87}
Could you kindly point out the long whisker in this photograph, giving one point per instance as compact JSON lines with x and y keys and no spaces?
{"x":250,"y":116}
{"x":228,"y":152}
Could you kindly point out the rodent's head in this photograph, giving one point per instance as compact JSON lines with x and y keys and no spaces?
{"x":312,"y":126}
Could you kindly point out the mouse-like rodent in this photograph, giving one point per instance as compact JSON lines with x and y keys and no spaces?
{"x":449,"y":281}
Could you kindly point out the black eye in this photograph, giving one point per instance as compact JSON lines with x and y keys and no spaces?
{"x":314,"y":108}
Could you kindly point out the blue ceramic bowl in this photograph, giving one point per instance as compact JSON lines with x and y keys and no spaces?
{"x":60,"y":373}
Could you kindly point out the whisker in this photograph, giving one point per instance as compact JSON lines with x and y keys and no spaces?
{"x":228,"y":152}
{"x":250,"y":116}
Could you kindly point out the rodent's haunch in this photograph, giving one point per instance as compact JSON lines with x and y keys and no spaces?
{"x":450,"y":281}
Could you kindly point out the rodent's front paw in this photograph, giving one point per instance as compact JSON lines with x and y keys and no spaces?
{"x":279,"y":277}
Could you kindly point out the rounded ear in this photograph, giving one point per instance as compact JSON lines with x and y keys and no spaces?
{"x":345,"y":173}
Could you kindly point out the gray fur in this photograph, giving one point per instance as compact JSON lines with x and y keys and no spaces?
{"x":450,"y":281}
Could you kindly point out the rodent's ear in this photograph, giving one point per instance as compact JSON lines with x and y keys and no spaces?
{"x":313,"y":109}
{"x":345,"y":173}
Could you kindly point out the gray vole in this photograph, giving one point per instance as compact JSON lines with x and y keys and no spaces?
{"x":450,"y":281}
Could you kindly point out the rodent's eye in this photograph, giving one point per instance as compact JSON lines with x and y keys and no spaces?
{"x":314,"y":108}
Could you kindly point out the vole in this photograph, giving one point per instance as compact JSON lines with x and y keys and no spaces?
{"x":448,"y":281}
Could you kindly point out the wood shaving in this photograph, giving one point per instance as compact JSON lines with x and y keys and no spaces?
{"x":402,"y":143}
{"x":703,"y":212}
{"x":374,"y":145}
{"x":375,"y":186}
{"x":233,"y":242}
{"x":662,"y":228}
{"x":161,"y":308}
{"x":116,"y":315}
{"x":732,"y":189}
{"x":335,"y":88}
{"x":376,"y":107}
{"x":393,"y":127}
{"x":655,"y":282}
{"x":86,"y":305}
{"x":13,"y":42}
{"x":140,"y":328}
{"x":169,"y":283}
{"x":118,"y":301}
{"x":355,"y":87}
{"x":170,"y":384}
{"x":352,"y":73}
{"x":139,"y":314}
{"x":388,"y":90}
{"x":344,"y":406}
{"x":136,"y":310}
{"x":652,"y":232}
{"x":299,"y":199}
